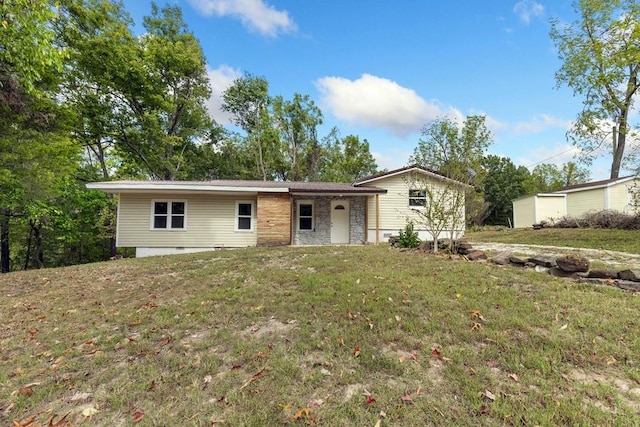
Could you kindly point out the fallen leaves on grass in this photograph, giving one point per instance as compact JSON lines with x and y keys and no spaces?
{"x":137,"y":416}
{"x":406,"y":398}
{"x":303,"y":413}
{"x":370,"y":400}
{"x":356,"y":352}
{"x":255,"y":376}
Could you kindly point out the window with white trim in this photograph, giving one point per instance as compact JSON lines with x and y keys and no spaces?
{"x":168,"y":215}
{"x":417,"y":198}
{"x":305,"y":215}
{"x":244,"y":216}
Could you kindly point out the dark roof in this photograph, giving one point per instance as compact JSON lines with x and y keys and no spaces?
{"x":601,"y":183}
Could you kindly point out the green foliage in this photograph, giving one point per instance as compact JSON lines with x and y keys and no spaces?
{"x":408,"y":238}
{"x":600,"y":55}
{"x":549,"y":177}
{"x":27,"y":49}
{"x":347,"y":159}
{"x":453,"y":149}
{"x":503,"y":182}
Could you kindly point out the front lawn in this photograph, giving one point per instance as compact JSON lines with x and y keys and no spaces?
{"x":337,"y":336}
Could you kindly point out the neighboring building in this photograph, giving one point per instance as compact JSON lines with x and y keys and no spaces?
{"x":621,"y":194}
{"x":167,"y":217}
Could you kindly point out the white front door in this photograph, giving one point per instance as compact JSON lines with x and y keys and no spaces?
{"x":339,"y":221}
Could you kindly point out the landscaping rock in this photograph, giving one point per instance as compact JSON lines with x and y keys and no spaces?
{"x":603,"y":274}
{"x":543,"y":260}
{"x":465,"y":248}
{"x":517,"y":261}
{"x":476,"y":255}
{"x":627,"y":285}
{"x":559,"y":272}
{"x":632,"y":275}
{"x":502,"y":258}
{"x":541,"y":268}
{"x":571,"y":264}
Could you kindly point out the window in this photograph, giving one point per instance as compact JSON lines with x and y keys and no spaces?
{"x":244,"y":216}
{"x":417,"y":198}
{"x":305,"y":215}
{"x":168,"y":215}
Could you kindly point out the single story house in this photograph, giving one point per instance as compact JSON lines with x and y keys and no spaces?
{"x":620,"y":194}
{"x":167,"y":217}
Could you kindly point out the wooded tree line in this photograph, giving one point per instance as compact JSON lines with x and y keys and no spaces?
{"x":83,"y":98}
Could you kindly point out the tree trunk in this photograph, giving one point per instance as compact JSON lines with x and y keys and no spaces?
{"x":4,"y":240}
{"x":37,"y":250}
{"x":618,"y":149}
{"x":112,"y":247}
{"x":28,"y":255}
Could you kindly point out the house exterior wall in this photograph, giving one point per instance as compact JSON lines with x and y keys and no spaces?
{"x":581,"y":202}
{"x":549,"y":208}
{"x":210,"y":223}
{"x":321,"y":232}
{"x":395,"y":211}
{"x":273,"y":219}
{"x":524,"y":212}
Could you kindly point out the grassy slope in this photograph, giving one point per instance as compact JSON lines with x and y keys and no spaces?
{"x":297,"y":336}
{"x":615,"y":240}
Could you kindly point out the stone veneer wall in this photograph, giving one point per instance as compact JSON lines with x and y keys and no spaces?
{"x":273,"y":212}
{"x":321,"y":235}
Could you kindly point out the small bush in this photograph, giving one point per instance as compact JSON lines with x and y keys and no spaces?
{"x":408,"y":238}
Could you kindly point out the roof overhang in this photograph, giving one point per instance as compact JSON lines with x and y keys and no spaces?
{"x":177,"y":187}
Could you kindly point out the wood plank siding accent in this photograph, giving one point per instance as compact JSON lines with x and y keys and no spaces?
{"x":274,"y":219}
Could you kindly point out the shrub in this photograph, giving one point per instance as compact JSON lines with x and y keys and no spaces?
{"x":408,"y":238}
{"x":607,"y":219}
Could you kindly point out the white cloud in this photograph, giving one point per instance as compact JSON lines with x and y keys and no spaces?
{"x":379,"y":103}
{"x":254,"y":14}
{"x":541,"y":123}
{"x":527,"y":10}
{"x":221,"y":78}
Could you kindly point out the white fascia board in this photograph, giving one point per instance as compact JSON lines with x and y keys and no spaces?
{"x":116,"y":187}
{"x":338,"y":194}
{"x":414,"y":169}
{"x":595,"y":187}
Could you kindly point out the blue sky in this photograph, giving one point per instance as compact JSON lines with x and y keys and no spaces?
{"x":383,"y":69}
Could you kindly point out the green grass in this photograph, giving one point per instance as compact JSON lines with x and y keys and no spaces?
{"x":614,"y":240}
{"x":299,"y":336}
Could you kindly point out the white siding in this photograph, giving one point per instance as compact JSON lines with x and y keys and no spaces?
{"x":395,"y":210}
{"x":210,"y":223}
{"x":524,"y":212}
{"x":581,"y":202}
{"x":549,"y":208}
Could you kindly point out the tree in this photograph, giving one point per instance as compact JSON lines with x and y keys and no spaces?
{"x":33,"y":145}
{"x":457,"y":150}
{"x":503,"y":182}
{"x":439,"y":205}
{"x":27,"y":51}
{"x":248,"y":102}
{"x":144,"y":97}
{"x":600,"y":54}
{"x":549,"y":177}
{"x":347,"y":159}
{"x":297,"y":121}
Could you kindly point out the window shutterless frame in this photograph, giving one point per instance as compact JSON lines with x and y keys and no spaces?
{"x":244,"y":215}
{"x":168,"y":215}
{"x":305,"y":217}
